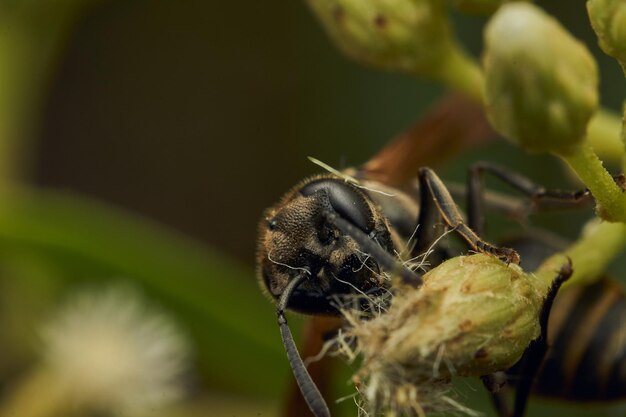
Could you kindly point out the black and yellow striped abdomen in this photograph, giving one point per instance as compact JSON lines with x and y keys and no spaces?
{"x":586,"y":360}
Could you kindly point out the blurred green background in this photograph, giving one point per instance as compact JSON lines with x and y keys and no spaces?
{"x":155,"y":134}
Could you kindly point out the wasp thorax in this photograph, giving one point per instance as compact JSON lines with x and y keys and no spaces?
{"x":474,"y":315}
{"x":296,"y":237}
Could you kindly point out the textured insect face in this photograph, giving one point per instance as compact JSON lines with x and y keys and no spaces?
{"x":297,"y":238}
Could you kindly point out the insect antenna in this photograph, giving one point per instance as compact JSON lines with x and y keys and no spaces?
{"x":369,"y":246}
{"x":309,"y":391}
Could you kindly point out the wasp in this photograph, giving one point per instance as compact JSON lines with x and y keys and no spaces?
{"x":329,"y":238}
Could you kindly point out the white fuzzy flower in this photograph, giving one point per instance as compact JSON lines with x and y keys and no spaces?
{"x":109,"y":350}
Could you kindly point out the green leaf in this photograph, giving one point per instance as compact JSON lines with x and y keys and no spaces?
{"x":232,"y":325}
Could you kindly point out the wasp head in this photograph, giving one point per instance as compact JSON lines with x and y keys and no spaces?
{"x":297,"y":237}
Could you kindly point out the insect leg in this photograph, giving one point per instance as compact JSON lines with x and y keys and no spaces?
{"x":315,"y":335}
{"x":533,"y":357}
{"x":494,"y":384}
{"x":430,"y":227}
{"x":387,"y":261}
{"x":309,"y":391}
{"x":540,"y":198}
{"x":439,"y":194}
{"x":475,"y":199}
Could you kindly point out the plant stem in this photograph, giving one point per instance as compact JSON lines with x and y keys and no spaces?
{"x":591,"y":254}
{"x":610,"y":199}
{"x":32,"y":37}
{"x":461,"y":72}
{"x":603,"y":134}
{"x":18,"y":82}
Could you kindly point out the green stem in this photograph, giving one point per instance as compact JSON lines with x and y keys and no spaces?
{"x":610,"y":200}
{"x":32,"y":36}
{"x":19,"y":77}
{"x":603,"y":134}
{"x":460,"y":72}
{"x":590,"y":255}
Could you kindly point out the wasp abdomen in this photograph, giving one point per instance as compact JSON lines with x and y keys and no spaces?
{"x":587,"y":334}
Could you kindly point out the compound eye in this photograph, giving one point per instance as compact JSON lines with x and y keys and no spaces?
{"x":346,"y":200}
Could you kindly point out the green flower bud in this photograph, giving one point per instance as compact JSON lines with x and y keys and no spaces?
{"x":401,"y":35}
{"x":474,"y":315}
{"x":608,"y":19}
{"x":541,"y":83}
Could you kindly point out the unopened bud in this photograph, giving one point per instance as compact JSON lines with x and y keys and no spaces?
{"x":473,"y":316}
{"x":400,"y":35}
{"x":608,"y":19}
{"x":541,"y":83}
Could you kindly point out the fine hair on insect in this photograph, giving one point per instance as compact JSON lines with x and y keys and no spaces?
{"x":345,"y":244}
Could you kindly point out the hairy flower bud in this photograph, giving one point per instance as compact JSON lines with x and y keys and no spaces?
{"x":474,"y":315}
{"x":541,"y":83}
{"x":608,"y":19}
{"x":401,"y":35}
{"x":480,"y":310}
